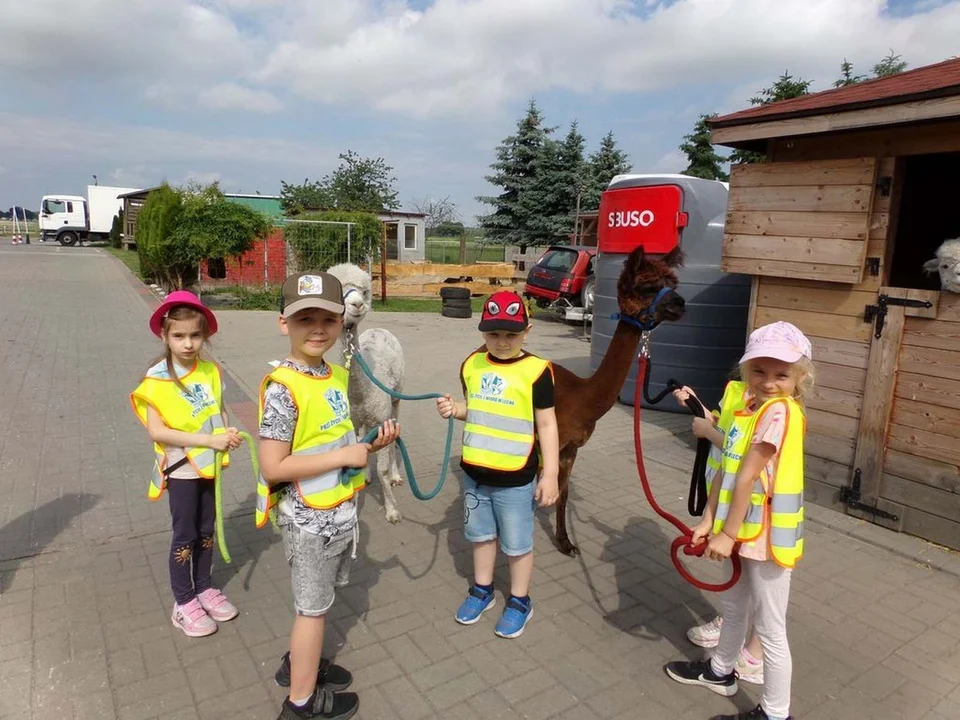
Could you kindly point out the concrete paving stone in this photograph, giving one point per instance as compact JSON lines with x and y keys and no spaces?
{"x":83,"y":556}
{"x":405,"y":698}
{"x":375,"y":674}
{"x":233,"y":704}
{"x":455,"y":691}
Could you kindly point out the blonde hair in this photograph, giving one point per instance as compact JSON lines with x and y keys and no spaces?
{"x":180,"y":312}
{"x":804,"y":372}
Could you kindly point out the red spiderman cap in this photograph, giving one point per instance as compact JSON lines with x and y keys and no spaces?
{"x":504,"y":310}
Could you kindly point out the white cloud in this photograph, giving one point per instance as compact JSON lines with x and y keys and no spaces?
{"x":144,"y":147}
{"x":456,"y":58}
{"x":464,"y":57}
{"x":230,"y":96}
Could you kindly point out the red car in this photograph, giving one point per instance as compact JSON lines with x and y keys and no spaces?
{"x":563,"y":277}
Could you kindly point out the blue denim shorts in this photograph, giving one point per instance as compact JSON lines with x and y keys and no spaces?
{"x":504,"y":512}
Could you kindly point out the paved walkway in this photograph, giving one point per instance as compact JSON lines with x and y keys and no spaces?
{"x":84,"y":611}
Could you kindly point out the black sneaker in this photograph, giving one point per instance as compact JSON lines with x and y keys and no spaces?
{"x":323,"y":704}
{"x":699,"y":672}
{"x":333,"y":677}
{"x":756,"y":714}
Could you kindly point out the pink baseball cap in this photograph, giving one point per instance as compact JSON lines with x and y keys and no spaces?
{"x":780,"y":341}
{"x":175,"y":299}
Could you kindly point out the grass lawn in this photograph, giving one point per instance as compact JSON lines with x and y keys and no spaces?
{"x":418,"y":305}
{"x":127,"y":257}
{"x":447,"y":251}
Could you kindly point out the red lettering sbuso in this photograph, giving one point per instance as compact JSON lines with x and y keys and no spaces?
{"x":651,"y":216}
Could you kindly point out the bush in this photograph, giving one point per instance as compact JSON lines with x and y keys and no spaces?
{"x":155,"y":222}
{"x":178,"y":229}
{"x":116,"y":231}
{"x":317,"y":246}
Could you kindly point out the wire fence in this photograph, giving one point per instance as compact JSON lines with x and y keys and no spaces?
{"x":318,"y":245}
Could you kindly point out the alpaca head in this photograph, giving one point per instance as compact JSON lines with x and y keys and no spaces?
{"x":947,"y":263}
{"x":357,"y":293}
{"x":642,"y":279}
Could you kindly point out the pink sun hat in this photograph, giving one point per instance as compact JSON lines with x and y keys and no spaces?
{"x":780,"y":341}
{"x":175,"y":299}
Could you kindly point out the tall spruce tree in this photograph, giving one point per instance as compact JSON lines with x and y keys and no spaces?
{"x":602,"y":166}
{"x":703,"y":159}
{"x":551,"y":200}
{"x":786,"y":87}
{"x":514,"y":171}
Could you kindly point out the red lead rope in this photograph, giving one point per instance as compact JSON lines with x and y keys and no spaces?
{"x":684,"y":540}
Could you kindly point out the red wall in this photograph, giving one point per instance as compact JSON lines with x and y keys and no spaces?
{"x":249,"y":269}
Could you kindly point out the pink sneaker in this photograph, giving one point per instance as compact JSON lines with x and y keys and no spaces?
{"x":216,"y":605}
{"x":193,"y":620}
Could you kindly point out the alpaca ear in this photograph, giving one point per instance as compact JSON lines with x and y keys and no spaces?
{"x":674,"y":258}
{"x":932,"y":266}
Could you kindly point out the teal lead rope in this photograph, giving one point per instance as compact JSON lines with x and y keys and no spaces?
{"x":347,"y":473}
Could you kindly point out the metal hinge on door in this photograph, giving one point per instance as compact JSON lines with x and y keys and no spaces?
{"x":877,"y":314}
{"x":850,"y":496}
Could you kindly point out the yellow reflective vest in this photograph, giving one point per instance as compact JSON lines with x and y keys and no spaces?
{"x":196,"y":411}
{"x":778,"y":508}
{"x":323,"y":425}
{"x":734,"y":400}
{"x":500,"y":429}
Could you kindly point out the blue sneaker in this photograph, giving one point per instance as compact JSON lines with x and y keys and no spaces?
{"x":515,"y":617}
{"x":477,"y":603}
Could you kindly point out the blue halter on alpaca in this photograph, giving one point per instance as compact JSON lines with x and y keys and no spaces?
{"x":651,"y":315}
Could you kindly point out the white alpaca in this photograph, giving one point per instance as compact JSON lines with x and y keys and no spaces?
{"x":370,"y":407}
{"x":947,"y":263}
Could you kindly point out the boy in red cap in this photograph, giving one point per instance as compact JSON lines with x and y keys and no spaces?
{"x":509,"y":415}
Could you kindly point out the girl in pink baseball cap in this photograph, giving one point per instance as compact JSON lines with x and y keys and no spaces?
{"x":180,"y":402}
{"x":756,"y":509}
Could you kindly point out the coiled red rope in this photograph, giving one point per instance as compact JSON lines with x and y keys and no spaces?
{"x":686,"y":533}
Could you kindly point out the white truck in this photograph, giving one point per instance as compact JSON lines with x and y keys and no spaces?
{"x":70,"y":219}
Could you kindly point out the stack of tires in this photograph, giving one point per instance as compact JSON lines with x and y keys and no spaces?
{"x":456,"y":302}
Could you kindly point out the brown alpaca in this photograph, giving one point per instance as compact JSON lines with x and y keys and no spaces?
{"x":580,"y":402}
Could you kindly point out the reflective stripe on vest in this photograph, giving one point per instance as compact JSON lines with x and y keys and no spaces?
{"x":323,"y":425}
{"x":197,"y":411}
{"x":500,"y":429}
{"x":780,"y":508}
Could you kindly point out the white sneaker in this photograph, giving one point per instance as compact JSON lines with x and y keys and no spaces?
{"x":706,"y":635}
{"x":750,"y":670}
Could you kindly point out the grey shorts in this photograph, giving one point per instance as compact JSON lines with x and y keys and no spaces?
{"x":318,"y":565}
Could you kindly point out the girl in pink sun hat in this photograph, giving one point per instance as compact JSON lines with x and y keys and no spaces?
{"x":180,"y":402}
{"x":756,"y":508}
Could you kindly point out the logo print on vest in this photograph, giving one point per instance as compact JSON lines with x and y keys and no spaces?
{"x":732,"y":437}
{"x":338,"y":403}
{"x":731,"y":440}
{"x":492,"y":384}
{"x":198,"y":397}
{"x":492,"y":387}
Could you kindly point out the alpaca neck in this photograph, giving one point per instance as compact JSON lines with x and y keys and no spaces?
{"x":605,"y":384}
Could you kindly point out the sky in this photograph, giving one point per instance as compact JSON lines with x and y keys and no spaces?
{"x":253,"y":92}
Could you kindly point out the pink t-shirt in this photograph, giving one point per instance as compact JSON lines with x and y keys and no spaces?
{"x":771,"y":428}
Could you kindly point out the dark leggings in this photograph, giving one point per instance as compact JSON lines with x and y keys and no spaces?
{"x":192,"y":510}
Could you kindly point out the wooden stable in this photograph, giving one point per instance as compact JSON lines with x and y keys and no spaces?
{"x":859,"y":188}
